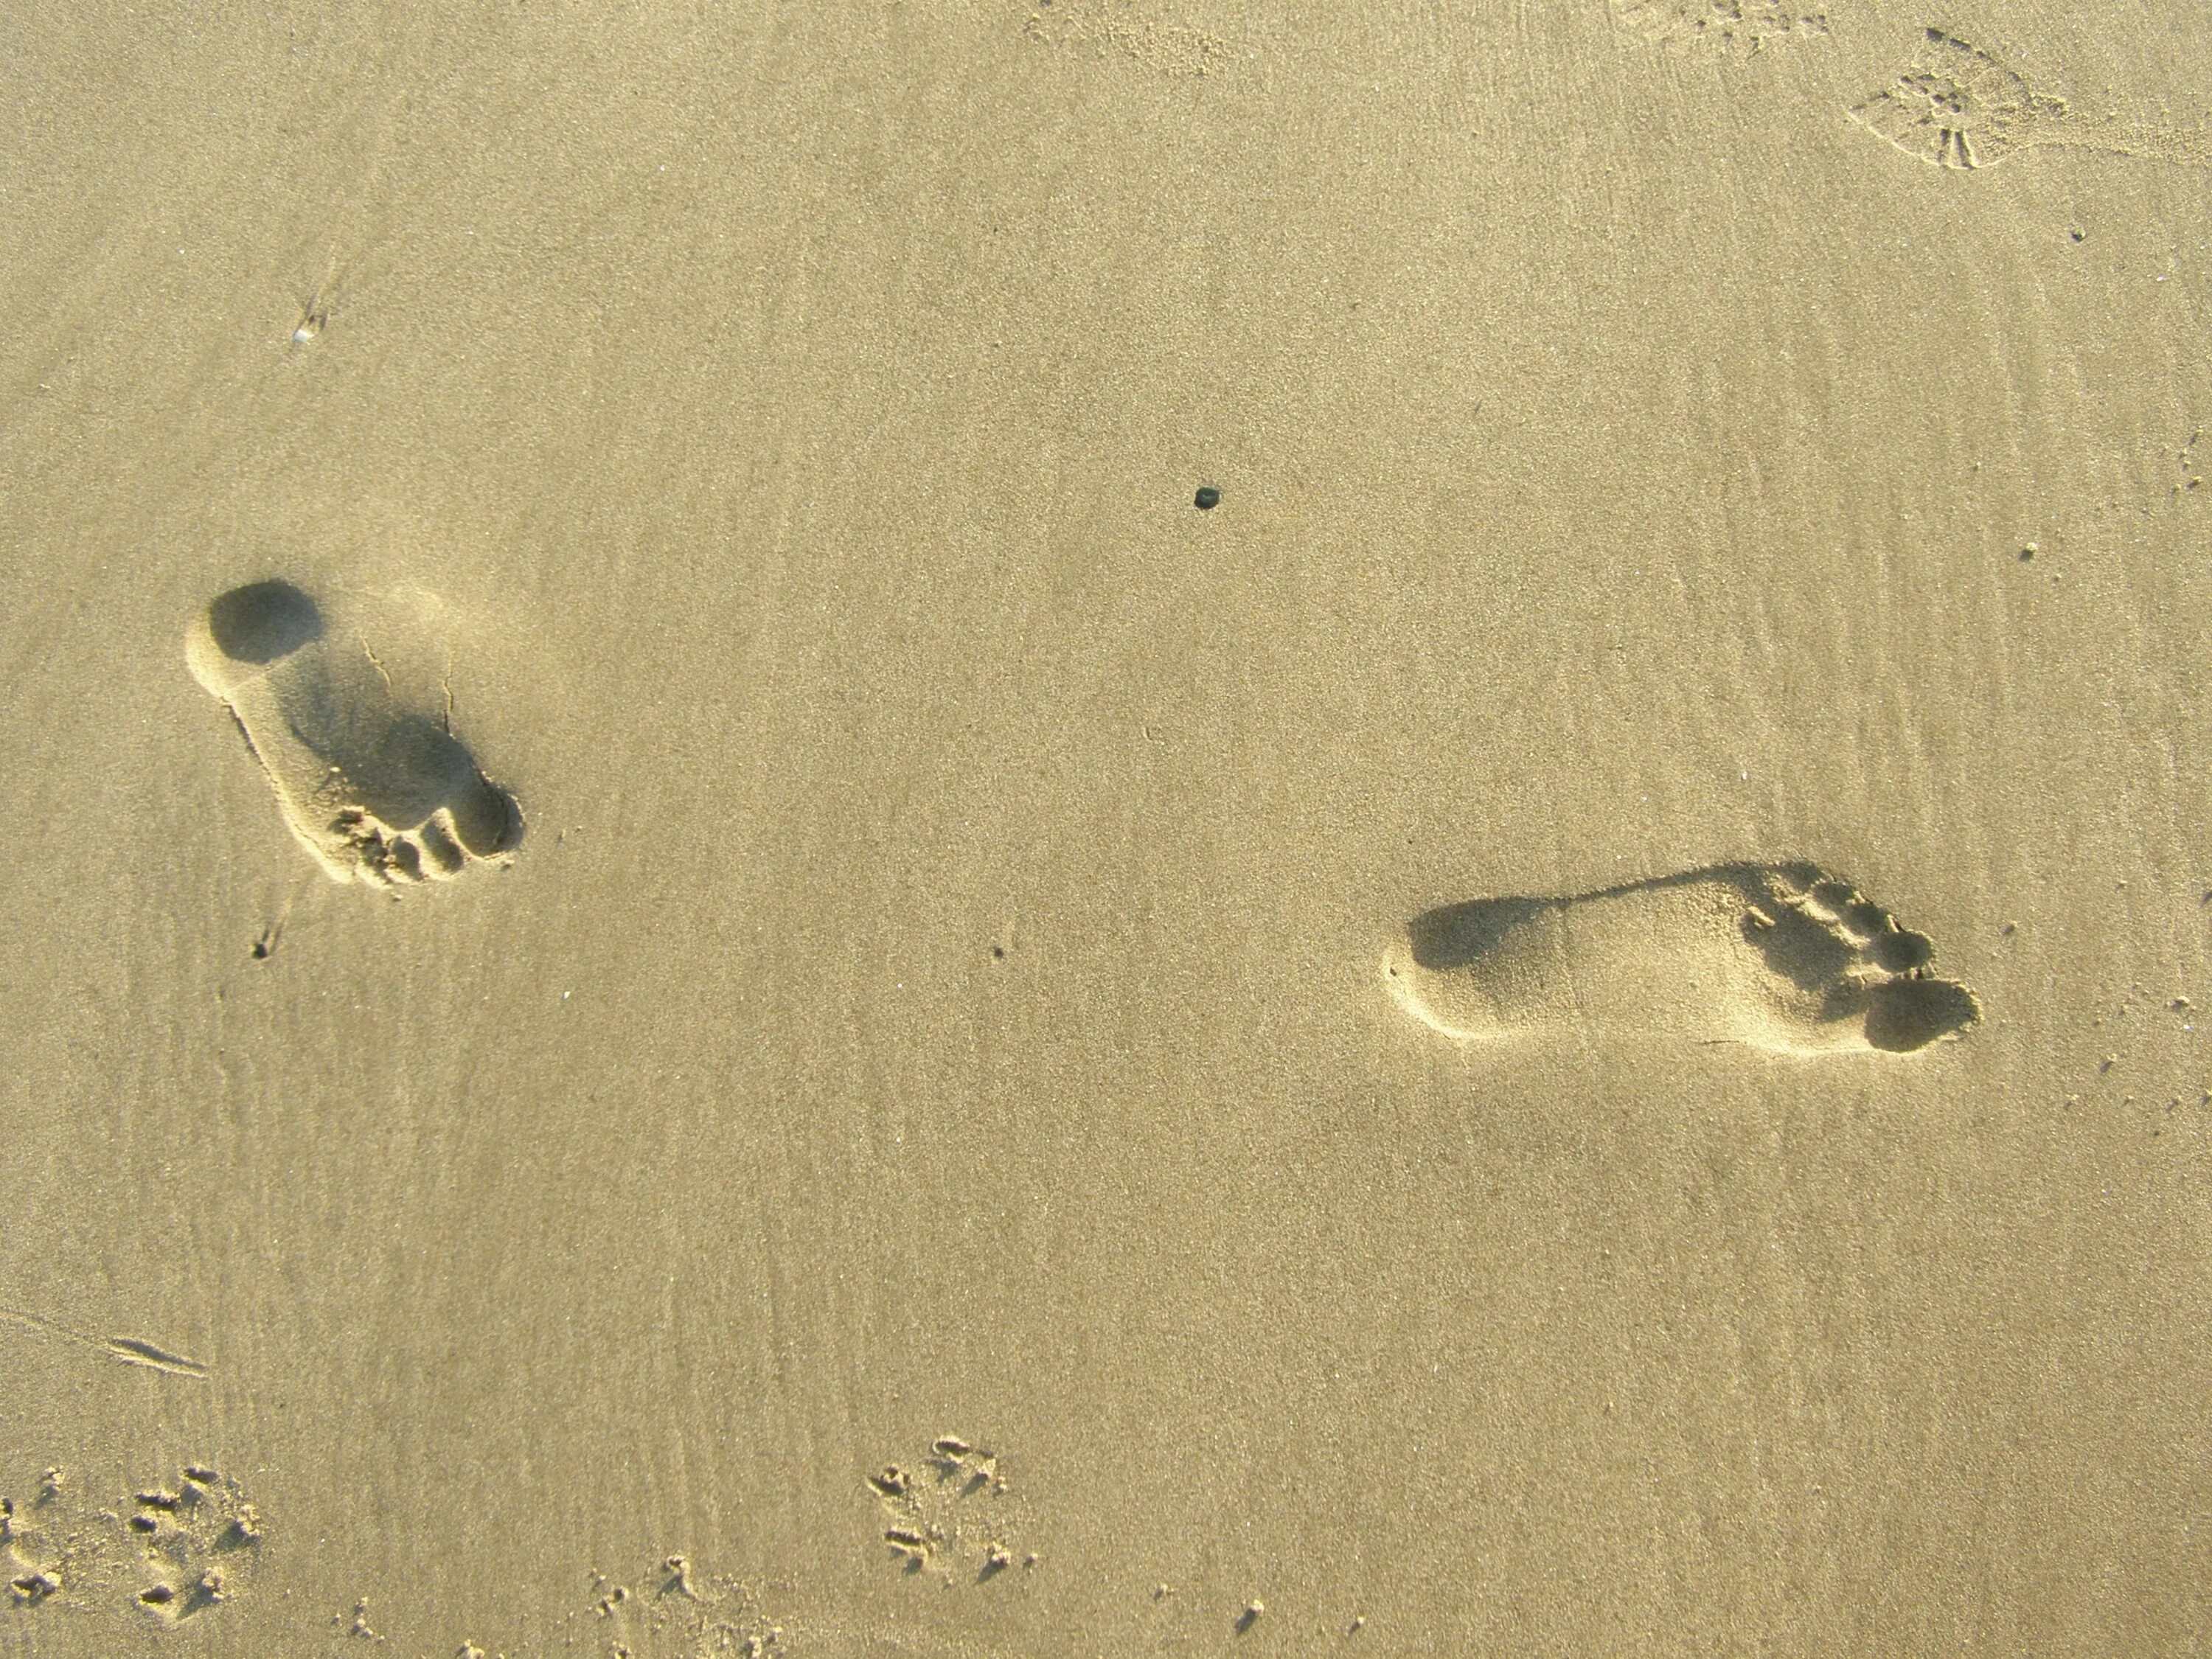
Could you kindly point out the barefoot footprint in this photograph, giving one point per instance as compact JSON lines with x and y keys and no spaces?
{"x":1954,"y":106}
{"x":376,"y":791}
{"x":1784,"y":957}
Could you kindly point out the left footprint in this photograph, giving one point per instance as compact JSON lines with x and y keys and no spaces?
{"x":378,"y":792}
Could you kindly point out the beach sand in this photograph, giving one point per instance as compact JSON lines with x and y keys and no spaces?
{"x":688,"y":967}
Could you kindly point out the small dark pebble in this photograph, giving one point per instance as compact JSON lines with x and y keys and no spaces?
{"x":1207,"y":498}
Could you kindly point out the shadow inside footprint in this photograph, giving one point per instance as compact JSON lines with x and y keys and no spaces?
{"x":1811,"y":957}
{"x":1909,"y":1014}
{"x":378,"y":791}
{"x":262,"y":621}
{"x":406,"y":769}
{"x":1454,"y":935}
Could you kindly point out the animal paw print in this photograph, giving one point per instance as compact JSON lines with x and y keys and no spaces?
{"x":679,"y":1611}
{"x":949,"y":1514}
{"x":42,"y":1559}
{"x":33,"y":1574}
{"x":197,"y":1542}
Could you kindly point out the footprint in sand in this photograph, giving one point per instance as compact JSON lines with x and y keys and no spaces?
{"x":1954,"y":106}
{"x":375,"y":790}
{"x":1130,"y":28}
{"x":38,"y":1565}
{"x":1782,"y":957}
{"x":182,"y":1549}
{"x":198,"y":1543}
{"x":950,"y":1514}
{"x":1734,"y":26}
{"x":672,"y":1611}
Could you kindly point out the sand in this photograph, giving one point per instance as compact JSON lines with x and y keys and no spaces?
{"x":689,"y":968}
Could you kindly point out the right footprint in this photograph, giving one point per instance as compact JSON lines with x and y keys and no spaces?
{"x":378,"y":792}
{"x":1781,"y":957}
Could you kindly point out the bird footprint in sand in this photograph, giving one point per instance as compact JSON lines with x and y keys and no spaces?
{"x":1781,"y":957}
{"x":1954,"y":106}
{"x":377,"y":791}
